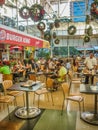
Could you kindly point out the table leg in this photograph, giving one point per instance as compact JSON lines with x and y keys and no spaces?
{"x":91,"y":117}
{"x":95,"y":107}
{"x":27,"y":112}
{"x":27,"y":103}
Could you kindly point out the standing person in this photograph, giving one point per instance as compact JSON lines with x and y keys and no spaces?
{"x":90,"y":63}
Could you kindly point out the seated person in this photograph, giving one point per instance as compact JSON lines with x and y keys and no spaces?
{"x":60,"y":75}
{"x":27,"y":70}
{"x":62,"y":71}
{"x":75,"y":66}
{"x":18,"y":71}
{"x":68,"y":64}
{"x":51,"y":65}
{"x":5,"y":69}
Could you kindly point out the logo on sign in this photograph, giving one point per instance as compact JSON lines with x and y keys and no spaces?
{"x":37,"y":42}
{"x":2,"y":35}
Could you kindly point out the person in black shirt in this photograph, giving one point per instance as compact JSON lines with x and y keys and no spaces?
{"x":34,"y":65}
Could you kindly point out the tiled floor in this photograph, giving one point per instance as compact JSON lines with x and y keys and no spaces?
{"x":58,"y":98}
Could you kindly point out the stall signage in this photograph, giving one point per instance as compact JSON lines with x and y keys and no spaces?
{"x":2,"y":2}
{"x":15,"y":38}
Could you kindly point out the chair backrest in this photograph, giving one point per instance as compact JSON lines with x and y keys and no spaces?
{"x":66,"y":89}
{"x":7,"y":84}
{"x":42,"y":67}
{"x":0,"y":94}
{"x":8,"y":77}
{"x":32,"y":77}
{"x":64,"y":77}
{"x":75,"y":68}
{"x":70,"y":74}
{"x":49,"y":83}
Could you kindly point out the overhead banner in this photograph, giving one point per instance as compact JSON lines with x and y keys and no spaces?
{"x":2,"y":2}
{"x":15,"y":37}
{"x":46,"y":44}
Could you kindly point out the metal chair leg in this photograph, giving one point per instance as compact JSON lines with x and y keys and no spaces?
{"x":24,"y":99}
{"x":38,"y":100}
{"x":52,"y":99}
{"x":62,"y":107}
{"x":34,"y":98}
{"x":66,"y":104}
{"x":15,"y":102}
{"x":47,"y":97}
{"x":8,"y":111}
{"x":79,"y":107}
{"x":83,"y":106}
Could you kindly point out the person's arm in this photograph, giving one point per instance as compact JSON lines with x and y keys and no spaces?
{"x":95,"y":63}
{"x":85,"y":62}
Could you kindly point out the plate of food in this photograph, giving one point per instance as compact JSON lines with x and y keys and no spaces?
{"x":26,"y":85}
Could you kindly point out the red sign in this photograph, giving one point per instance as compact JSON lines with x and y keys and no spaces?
{"x":2,"y":2}
{"x":17,"y":38}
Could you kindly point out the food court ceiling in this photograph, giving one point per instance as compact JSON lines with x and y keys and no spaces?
{"x":54,"y":9}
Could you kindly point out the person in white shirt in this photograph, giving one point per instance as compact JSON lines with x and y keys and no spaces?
{"x":91,"y":63}
{"x":51,"y":64}
{"x":68,"y":64}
